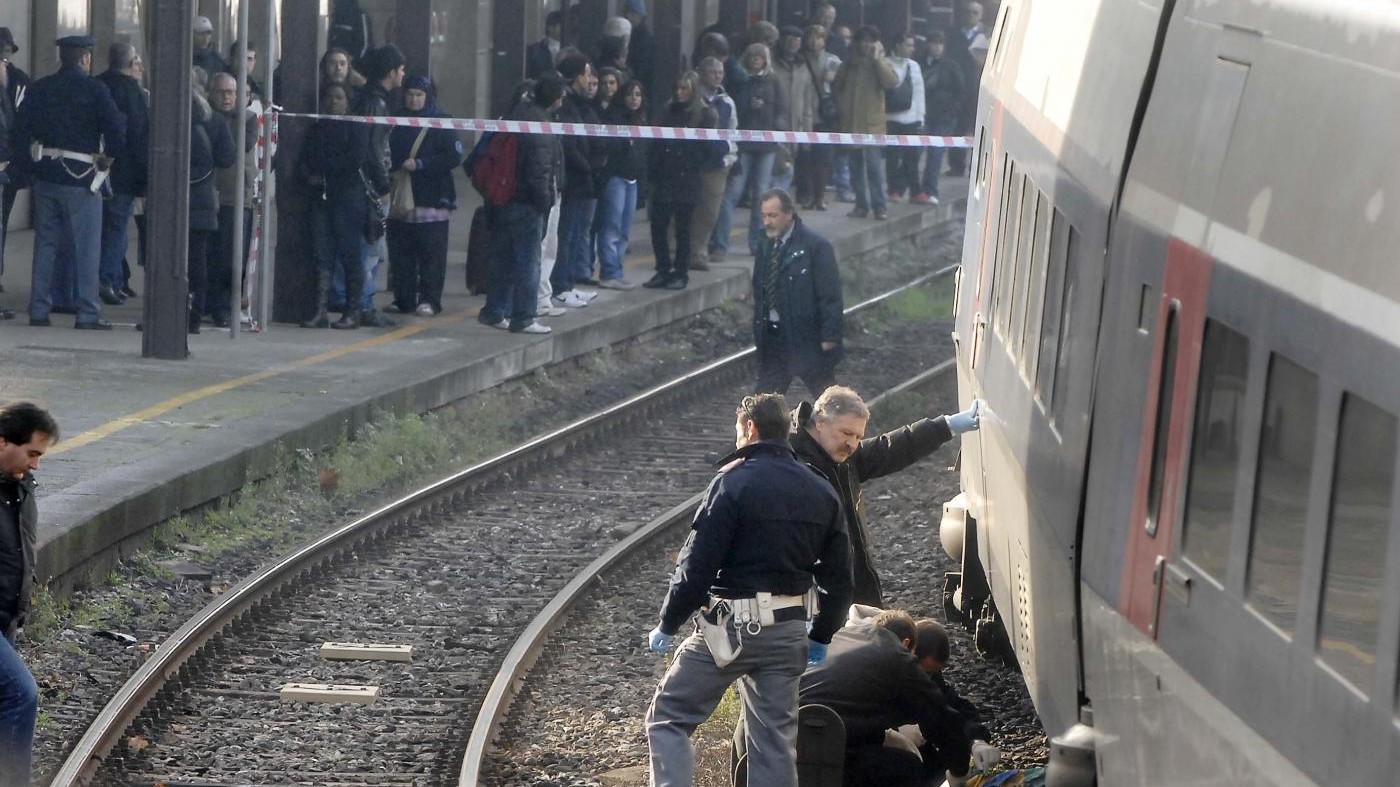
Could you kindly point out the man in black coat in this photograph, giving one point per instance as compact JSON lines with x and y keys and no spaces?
{"x":873,"y":680}
{"x":828,"y":436}
{"x":383,"y":69}
{"x":584,"y":158}
{"x":13,"y":83}
{"x":539,"y":56}
{"x":641,"y":49}
{"x":26,"y":433}
{"x":128,"y":172}
{"x":797,"y":301}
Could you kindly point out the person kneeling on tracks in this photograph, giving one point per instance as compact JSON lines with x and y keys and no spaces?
{"x":765,"y":531}
{"x":876,"y":679}
{"x":827,"y":435}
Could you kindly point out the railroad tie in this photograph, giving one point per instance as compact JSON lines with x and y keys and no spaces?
{"x":327,"y":692}
{"x":361,"y":651}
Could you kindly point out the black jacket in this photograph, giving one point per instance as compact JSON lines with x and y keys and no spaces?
{"x":538,"y":59}
{"x":129,"y":171}
{"x":540,"y":158}
{"x":373,"y":101}
{"x":877,"y":456}
{"x":808,"y":300}
{"x":762,"y":106}
{"x":641,"y":59}
{"x":22,"y":585}
{"x":943,"y":91}
{"x":211,"y":148}
{"x":333,"y":156}
{"x":675,"y":166}
{"x":874,"y":683}
{"x":16,"y":84}
{"x":584,"y":157}
{"x":767,"y":523}
{"x":68,"y":110}
{"x":437,"y":157}
{"x":627,"y":156}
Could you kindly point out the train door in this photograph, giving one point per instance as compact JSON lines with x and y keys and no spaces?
{"x":1179,"y":317}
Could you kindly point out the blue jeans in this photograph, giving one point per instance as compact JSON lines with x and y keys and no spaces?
{"x":116,"y":222}
{"x":934,"y":161}
{"x":615,"y":212}
{"x":755,"y":177}
{"x":868,"y":169}
{"x":338,"y":245}
{"x":19,"y":709}
{"x":515,"y":265}
{"x":66,"y":216}
{"x":372,"y":257}
{"x":575,"y":220}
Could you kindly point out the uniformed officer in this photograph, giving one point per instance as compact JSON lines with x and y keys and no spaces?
{"x":767,"y":528}
{"x":66,"y":133}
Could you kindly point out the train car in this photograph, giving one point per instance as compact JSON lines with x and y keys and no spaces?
{"x":1179,"y":300}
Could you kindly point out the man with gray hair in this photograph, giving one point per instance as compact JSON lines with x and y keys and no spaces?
{"x":830,"y":437}
{"x":128,"y":172}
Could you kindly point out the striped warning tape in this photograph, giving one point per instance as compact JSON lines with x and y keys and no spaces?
{"x":652,"y":132}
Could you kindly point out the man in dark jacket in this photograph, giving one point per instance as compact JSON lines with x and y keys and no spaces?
{"x":206,"y":52}
{"x":584,"y":158}
{"x":943,"y":97}
{"x":641,"y":49}
{"x":797,"y":301}
{"x":872,"y":679}
{"x":828,"y":436}
{"x":79,"y":130}
{"x":128,"y":172}
{"x":932,"y":649}
{"x":13,"y":83}
{"x":517,"y":226}
{"x":223,"y":98}
{"x":26,"y":433}
{"x":383,"y":69}
{"x":539,"y":56}
{"x":766,"y":529}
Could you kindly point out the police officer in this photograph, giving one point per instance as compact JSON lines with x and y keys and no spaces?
{"x":767,"y":527}
{"x":66,"y":134}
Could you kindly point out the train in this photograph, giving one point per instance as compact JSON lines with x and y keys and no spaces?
{"x":1180,"y":299}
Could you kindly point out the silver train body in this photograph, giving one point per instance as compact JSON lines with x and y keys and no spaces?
{"x":1180,"y":296}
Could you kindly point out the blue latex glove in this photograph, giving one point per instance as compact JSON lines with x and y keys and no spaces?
{"x":968,"y":420}
{"x":659,"y":641}
{"x":816,"y":652}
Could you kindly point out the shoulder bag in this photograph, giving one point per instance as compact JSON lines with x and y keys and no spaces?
{"x":827,"y":111}
{"x":401,"y":185}
{"x":901,"y":97}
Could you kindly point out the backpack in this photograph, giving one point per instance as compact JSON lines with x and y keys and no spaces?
{"x":900,"y":97}
{"x":493,"y":167}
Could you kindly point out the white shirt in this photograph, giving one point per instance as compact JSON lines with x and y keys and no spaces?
{"x":908,"y":69}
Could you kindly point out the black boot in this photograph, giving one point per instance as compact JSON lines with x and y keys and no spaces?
{"x":348,"y":321}
{"x":194,"y":321}
{"x":373,"y":319}
{"x":323,"y":293}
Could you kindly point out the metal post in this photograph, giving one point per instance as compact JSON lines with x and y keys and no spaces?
{"x":241,"y":139}
{"x":166,"y":313}
{"x":263,"y":287}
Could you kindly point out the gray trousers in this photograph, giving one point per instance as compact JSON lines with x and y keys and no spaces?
{"x":65,"y":215}
{"x":768,"y":671}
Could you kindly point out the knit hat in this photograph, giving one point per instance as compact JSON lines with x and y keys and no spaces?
{"x":617,"y":27}
{"x":638,"y":7}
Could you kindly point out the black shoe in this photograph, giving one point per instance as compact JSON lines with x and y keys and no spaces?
{"x":220,"y":321}
{"x":318,"y":320}
{"x":95,"y":325}
{"x":394,"y":308}
{"x":587,"y":281}
{"x":348,"y":321}
{"x":677,"y":283}
{"x":657,"y":282}
{"x":194,"y":323}
{"x":127,"y":291}
{"x":109,"y":296}
{"x":373,"y":319}
{"x":859,"y":213}
{"x":40,"y":322}
{"x":880,"y":215}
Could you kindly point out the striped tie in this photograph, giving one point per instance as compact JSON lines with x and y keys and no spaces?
{"x":770,"y":280}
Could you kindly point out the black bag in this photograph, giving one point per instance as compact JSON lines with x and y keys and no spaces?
{"x":900,"y":97}
{"x":377,"y":214}
{"x":827,"y":111}
{"x":479,"y":252}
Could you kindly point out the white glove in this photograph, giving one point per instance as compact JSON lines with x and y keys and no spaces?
{"x":985,"y":755}
{"x":659,"y":641}
{"x":968,"y":420}
{"x":955,"y":781}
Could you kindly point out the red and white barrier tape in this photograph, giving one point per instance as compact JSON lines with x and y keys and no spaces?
{"x":653,"y":132}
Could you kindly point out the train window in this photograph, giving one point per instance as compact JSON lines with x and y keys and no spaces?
{"x":983,"y":151}
{"x":1030,"y":228}
{"x":1281,"y":494}
{"x":1165,"y":385}
{"x":1051,"y":309}
{"x":1027,"y":330}
{"x":1002,"y":32}
{"x":1359,"y":519}
{"x":1006,"y":257}
{"x":1215,"y":448}
{"x":1058,"y":400}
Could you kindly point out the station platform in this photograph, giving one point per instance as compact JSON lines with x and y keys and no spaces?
{"x":144,"y":440}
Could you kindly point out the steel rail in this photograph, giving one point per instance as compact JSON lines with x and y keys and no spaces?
{"x":510,"y":679}
{"x":165,"y":663}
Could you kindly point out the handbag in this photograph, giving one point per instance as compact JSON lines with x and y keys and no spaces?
{"x":377,"y":214}
{"x":401,"y":185}
{"x":827,"y":111}
{"x":900,"y":97}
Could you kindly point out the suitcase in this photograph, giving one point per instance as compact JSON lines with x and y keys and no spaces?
{"x":479,"y":252}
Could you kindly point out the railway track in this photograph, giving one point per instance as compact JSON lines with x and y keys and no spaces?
{"x":458,"y":569}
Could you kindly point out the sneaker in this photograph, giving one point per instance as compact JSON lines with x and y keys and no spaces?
{"x":570,"y":299}
{"x":533,"y":327}
{"x":880,"y":215}
{"x":617,"y":284}
{"x":550,"y":310}
{"x":586,"y":295}
{"x":503,"y":325}
{"x":424,"y":310}
{"x":920,"y":199}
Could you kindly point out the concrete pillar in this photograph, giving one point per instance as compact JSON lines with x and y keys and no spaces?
{"x":674,"y":37}
{"x":413,"y":34}
{"x":463,"y":63}
{"x":511,"y":33}
{"x":294,"y":291}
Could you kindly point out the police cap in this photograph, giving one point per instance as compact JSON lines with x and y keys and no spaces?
{"x":77,"y":42}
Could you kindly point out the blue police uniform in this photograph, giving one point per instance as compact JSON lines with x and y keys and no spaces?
{"x":66,"y":119}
